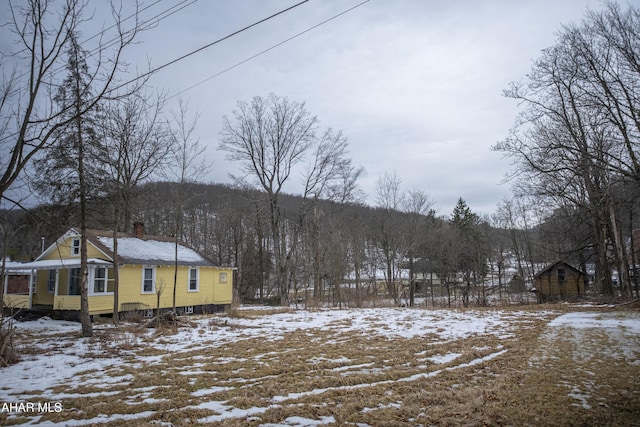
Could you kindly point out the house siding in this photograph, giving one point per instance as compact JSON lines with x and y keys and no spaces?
{"x":549,"y":286}
{"x":211,"y":291}
{"x":16,"y":301}
{"x":63,"y":251}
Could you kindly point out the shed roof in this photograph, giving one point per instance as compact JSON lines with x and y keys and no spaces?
{"x":557,"y":264}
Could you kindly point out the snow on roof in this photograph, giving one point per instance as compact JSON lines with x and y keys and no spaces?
{"x":136,"y":250}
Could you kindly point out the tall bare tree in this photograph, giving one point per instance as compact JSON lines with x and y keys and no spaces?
{"x":579,"y":131}
{"x":270,"y":137}
{"x":35,"y":112}
{"x":135,"y":142}
{"x":188,"y":165}
{"x":390,"y":198}
{"x":417,"y":204}
{"x":29,"y":119}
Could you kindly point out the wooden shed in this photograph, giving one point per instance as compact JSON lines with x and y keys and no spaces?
{"x":559,"y":281}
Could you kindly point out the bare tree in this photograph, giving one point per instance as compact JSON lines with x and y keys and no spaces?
{"x":390,"y":198}
{"x":578,"y":133}
{"x":330,"y":175}
{"x":135,"y":142}
{"x":36,"y":118}
{"x":416,"y":206}
{"x":29,"y":119}
{"x":270,"y":137}
{"x":188,"y":165}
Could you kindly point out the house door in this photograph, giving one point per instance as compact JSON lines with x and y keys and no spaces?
{"x":74,"y":281}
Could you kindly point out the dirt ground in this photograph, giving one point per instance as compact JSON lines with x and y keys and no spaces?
{"x":543,"y":371}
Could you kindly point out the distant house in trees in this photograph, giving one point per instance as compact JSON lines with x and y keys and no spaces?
{"x":146,"y":268}
{"x":559,"y":281}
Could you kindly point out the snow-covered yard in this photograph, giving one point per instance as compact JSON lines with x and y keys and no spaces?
{"x":386,"y":366}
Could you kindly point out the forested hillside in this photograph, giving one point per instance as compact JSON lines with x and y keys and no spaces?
{"x":368,"y":251}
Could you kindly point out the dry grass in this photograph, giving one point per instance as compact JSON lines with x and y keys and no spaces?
{"x":355,"y":379}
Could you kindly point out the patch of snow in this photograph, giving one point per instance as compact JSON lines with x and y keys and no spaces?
{"x":62,"y":358}
{"x":350,"y":367}
{"x":442,"y":358}
{"x":212,"y":390}
{"x":301,"y":421}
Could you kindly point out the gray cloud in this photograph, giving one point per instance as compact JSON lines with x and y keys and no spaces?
{"x":415,"y":85}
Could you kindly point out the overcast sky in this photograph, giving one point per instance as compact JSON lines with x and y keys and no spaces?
{"x":415,"y":85}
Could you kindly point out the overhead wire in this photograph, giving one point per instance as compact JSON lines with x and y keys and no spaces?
{"x":193,"y":52}
{"x":148,"y":23}
{"x":262,"y":52}
{"x":142,"y":26}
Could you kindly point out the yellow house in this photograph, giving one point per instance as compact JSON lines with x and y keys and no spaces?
{"x":146,"y":266}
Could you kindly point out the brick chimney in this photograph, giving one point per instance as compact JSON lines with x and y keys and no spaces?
{"x":138,"y":229}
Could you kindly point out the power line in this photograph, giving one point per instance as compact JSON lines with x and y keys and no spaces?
{"x":126,"y":19}
{"x":268,"y":49}
{"x":148,"y":23}
{"x":193,"y":52}
{"x":142,"y":26}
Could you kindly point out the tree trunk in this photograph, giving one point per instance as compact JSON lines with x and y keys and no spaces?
{"x":116,"y":277}
{"x":623,"y":263}
{"x":85,"y":318}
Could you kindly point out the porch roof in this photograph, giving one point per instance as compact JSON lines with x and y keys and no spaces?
{"x":54,"y":264}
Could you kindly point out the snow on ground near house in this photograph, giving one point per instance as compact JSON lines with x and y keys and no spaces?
{"x":621,"y":329}
{"x":583,"y":333}
{"x":54,"y":366}
{"x":41,"y":372}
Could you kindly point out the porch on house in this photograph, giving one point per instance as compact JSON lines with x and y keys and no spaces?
{"x":55,"y":285}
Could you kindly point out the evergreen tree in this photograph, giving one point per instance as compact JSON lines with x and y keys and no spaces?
{"x":470,"y":249}
{"x":69,"y":172}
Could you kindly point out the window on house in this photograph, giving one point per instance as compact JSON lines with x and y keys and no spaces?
{"x":188,"y":309}
{"x":193,"y":279}
{"x":74,"y":281}
{"x":100,"y":279}
{"x":148,"y":280}
{"x":223,"y":277}
{"x":561,"y":275}
{"x":51,"y":281}
{"x":75,"y":247}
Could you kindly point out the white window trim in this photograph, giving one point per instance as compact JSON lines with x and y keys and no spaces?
{"x":75,"y":249}
{"x":197,"y":289}
{"x":221,"y":275}
{"x":92,"y":281}
{"x":188,"y":309}
{"x":153,"y":279}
